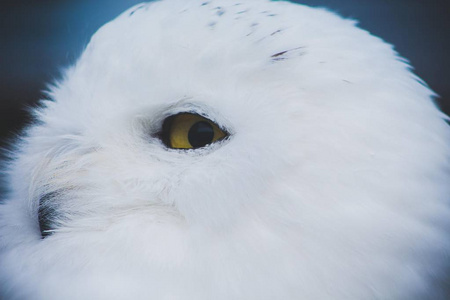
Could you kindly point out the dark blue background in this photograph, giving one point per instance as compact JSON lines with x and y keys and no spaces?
{"x":39,"y":37}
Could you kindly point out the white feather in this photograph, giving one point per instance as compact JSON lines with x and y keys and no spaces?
{"x":334,"y":183}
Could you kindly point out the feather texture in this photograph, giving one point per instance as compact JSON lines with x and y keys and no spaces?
{"x":332,"y":183}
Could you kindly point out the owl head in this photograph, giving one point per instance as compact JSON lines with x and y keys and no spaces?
{"x":230,"y":150}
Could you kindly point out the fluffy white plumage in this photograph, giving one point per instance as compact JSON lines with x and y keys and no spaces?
{"x":333,"y":183}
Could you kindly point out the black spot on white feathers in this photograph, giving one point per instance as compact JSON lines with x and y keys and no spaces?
{"x":204,"y":3}
{"x":220,"y":11}
{"x":268,"y":13}
{"x":275,"y":32}
{"x":286,"y":54}
{"x":136,"y":9}
{"x":279,"y":53}
{"x":47,"y":214}
{"x":253,"y":28}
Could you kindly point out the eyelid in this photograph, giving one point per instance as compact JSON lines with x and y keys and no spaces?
{"x":187,"y":106}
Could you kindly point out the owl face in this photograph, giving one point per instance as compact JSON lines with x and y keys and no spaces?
{"x":230,"y":150}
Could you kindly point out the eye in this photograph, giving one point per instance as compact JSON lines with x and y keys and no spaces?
{"x":190,"y":131}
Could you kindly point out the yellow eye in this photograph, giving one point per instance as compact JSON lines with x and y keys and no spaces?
{"x":190,"y":131}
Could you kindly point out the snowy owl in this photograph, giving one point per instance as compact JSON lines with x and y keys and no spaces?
{"x":222,"y":149}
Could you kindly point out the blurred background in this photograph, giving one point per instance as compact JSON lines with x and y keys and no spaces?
{"x":40,"y":37}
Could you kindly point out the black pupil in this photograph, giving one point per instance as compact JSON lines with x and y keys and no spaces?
{"x":201,"y":134}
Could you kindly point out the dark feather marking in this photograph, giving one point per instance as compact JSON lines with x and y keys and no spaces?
{"x":242,"y":12}
{"x":252,"y":27}
{"x":279,"y":53}
{"x":137,"y":8}
{"x":205,"y":3}
{"x":47,"y":214}
{"x":220,"y":12}
{"x":275,"y":32}
{"x":279,"y":56}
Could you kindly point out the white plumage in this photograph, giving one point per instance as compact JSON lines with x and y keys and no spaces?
{"x":332,"y":182}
